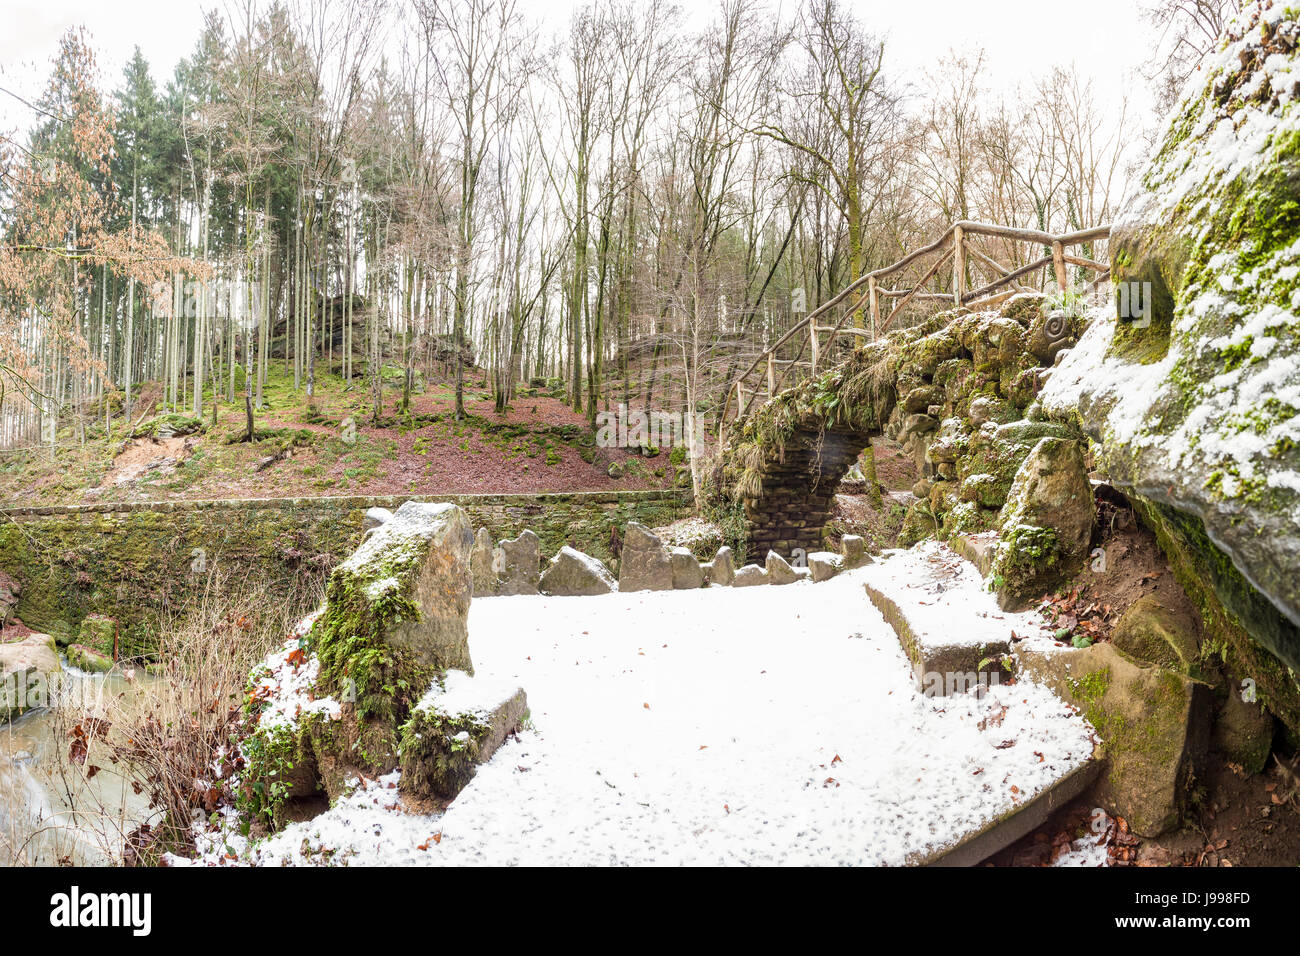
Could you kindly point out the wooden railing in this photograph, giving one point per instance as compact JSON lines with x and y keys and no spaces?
{"x":953,"y":246}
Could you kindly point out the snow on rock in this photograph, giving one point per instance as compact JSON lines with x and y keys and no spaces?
{"x":706,"y":726}
{"x":1194,"y":394}
{"x":937,"y":587}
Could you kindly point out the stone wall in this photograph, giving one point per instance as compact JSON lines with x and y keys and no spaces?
{"x":799,"y":492}
{"x":136,"y":562}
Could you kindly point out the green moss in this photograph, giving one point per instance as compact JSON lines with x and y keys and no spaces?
{"x":363,"y":606}
{"x":439,"y":752}
{"x":89,"y":659}
{"x":1244,"y":632}
{"x":1028,"y":562}
{"x":1142,"y":346}
{"x":170,"y":425}
{"x":1091,"y":688}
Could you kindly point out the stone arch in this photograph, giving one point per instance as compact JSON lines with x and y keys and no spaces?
{"x":798,"y":491}
{"x":784,"y":462}
{"x":932,"y":388}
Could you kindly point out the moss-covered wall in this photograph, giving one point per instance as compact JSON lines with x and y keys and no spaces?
{"x":1244,"y":630}
{"x":135,"y":562}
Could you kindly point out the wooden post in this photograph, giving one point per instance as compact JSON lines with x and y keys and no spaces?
{"x":812,"y":332}
{"x":740,"y":400}
{"x":874,"y":301}
{"x":1058,"y":260}
{"x":958,"y":264}
{"x":771,"y":374}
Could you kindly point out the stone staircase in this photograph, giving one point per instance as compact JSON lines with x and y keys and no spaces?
{"x":960,"y":642}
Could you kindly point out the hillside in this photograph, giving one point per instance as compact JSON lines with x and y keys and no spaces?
{"x":302,"y":449}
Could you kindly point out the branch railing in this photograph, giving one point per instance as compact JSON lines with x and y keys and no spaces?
{"x":873,"y":298}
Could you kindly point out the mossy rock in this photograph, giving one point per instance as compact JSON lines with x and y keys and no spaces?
{"x":454,"y":728}
{"x":984,"y":490}
{"x":1029,"y":562}
{"x":62,"y":632}
{"x":926,"y":354}
{"x":1153,"y":722}
{"x":1191,"y":392}
{"x":89,"y":659}
{"x":919,"y":523}
{"x":1243,"y":731}
{"x":1239,"y":624}
{"x":1001,"y":450}
{"x":395,"y":610}
{"x":1046,"y":523}
{"x":170,"y":426}
{"x":98,"y":632}
{"x":920,"y":399}
{"x":1024,"y":307}
{"x":968,"y":518}
{"x":1151,"y":632}
{"x":984,"y":408}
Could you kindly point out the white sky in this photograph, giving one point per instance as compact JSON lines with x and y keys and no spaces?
{"x":1106,"y":39}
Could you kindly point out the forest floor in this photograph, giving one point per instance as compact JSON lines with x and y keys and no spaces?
{"x":855,"y":511}
{"x":540,"y":444}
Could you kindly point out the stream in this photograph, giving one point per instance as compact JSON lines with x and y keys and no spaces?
{"x":48,"y":813}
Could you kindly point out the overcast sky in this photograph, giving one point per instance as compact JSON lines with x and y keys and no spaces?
{"x":1022,"y":38}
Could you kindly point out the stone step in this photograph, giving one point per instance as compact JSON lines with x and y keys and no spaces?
{"x":978,"y":549}
{"x":999,"y":833}
{"x":958,"y":640}
{"x":951,"y":628}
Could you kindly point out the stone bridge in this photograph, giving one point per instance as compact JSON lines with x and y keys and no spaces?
{"x":957,"y":391}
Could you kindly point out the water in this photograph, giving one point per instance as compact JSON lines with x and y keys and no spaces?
{"x":49,"y":812}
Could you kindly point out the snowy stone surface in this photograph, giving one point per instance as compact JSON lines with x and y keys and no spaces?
{"x":285,"y":682}
{"x":681,"y":728}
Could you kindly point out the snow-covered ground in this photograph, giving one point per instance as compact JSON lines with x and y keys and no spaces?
{"x":717,"y":726}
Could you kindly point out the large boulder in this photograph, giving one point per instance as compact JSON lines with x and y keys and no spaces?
{"x":453,"y":729}
{"x":1190,"y":382}
{"x":86,"y":658}
{"x":571,"y":572}
{"x":482,"y":564}
{"x":722,"y":569}
{"x":853,"y":549}
{"x":1046,"y":523}
{"x":1150,"y":631}
{"x":1243,"y":731}
{"x":27,"y":670}
{"x":824,"y":565}
{"x":687,"y":573}
{"x":520,"y":564}
{"x":338,"y":697}
{"x":779,"y":570}
{"x":1153,"y":722}
{"x":646,"y":565}
{"x":396,"y":608}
